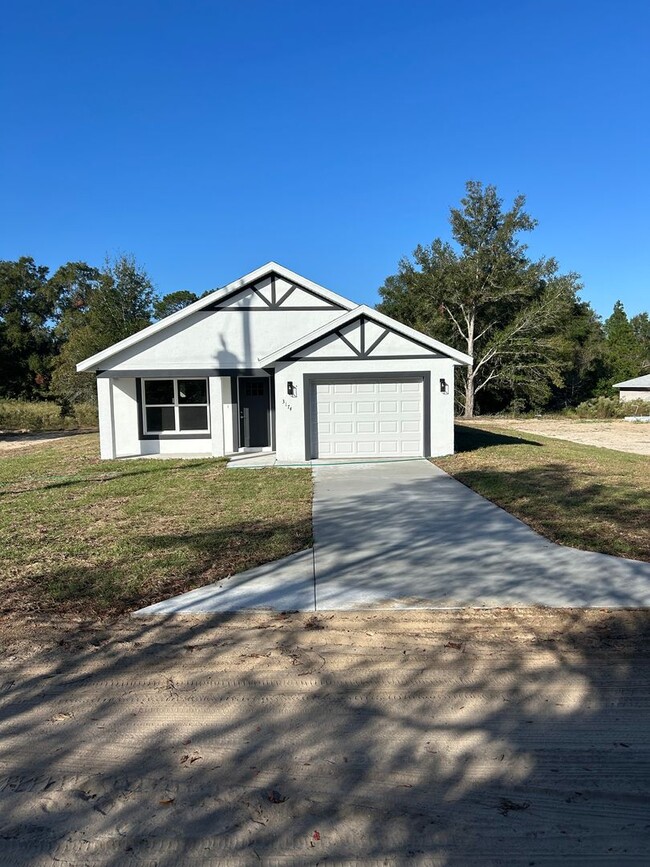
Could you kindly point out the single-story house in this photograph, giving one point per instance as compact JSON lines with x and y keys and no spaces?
{"x":275,"y":362}
{"x":634,"y":389}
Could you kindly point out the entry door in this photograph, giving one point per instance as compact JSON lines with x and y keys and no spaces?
{"x":254,"y":412}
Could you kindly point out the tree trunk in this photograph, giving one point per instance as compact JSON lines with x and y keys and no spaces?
{"x":469,"y":393}
{"x":469,"y":386}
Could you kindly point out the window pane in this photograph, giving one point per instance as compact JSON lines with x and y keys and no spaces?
{"x":160,"y":418}
{"x":159,"y":391}
{"x":193,"y":417}
{"x":192,"y":391}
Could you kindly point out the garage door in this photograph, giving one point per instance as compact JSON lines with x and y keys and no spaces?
{"x":367,"y":419}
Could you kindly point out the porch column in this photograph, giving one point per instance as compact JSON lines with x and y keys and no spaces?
{"x":106,"y":421}
{"x":216,"y":415}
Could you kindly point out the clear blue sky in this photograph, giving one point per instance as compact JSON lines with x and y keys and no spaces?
{"x":209,"y":137}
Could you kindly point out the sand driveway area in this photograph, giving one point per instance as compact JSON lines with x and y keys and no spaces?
{"x":432,"y":738}
{"x":623,"y":436}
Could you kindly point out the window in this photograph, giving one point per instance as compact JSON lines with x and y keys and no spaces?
{"x":254,"y":389}
{"x":175,"y":406}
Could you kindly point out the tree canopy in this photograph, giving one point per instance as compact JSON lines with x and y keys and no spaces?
{"x":533,"y":341}
{"x":536,"y":344}
{"x":172,"y":303}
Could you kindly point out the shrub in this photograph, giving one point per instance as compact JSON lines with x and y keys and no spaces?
{"x":44,"y":415}
{"x":609,"y":407}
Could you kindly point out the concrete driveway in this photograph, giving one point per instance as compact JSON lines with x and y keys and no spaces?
{"x":405,"y":534}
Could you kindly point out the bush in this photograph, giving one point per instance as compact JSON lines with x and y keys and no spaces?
{"x":44,"y":415}
{"x":609,"y":407}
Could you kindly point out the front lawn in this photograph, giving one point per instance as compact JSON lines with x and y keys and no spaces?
{"x":587,"y":497}
{"x":82,"y":535}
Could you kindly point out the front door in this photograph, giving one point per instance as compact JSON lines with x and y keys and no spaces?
{"x":254,"y":412}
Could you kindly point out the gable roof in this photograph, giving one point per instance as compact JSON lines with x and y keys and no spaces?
{"x":639,"y":382}
{"x":360,"y":312}
{"x":212,"y":301}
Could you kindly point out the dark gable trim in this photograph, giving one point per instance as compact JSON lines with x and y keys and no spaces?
{"x":366,"y":358}
{"x":275,"y":303}
{"x":364,"y":352}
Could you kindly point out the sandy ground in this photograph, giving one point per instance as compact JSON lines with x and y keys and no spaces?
{"x":11,"y":442}
{"x":622,"y":436}
{"x":429,"y":738}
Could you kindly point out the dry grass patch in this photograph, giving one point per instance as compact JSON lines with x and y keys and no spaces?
{"x":83,"y":535}
{"x":591,"y":498}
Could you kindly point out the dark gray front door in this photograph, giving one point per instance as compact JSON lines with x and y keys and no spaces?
{"x":254,"y":411}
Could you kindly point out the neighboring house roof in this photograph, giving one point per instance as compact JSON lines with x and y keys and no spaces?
{"x":639,"y":382}
{"x":219,"y":295}
{"x":374,"y":315}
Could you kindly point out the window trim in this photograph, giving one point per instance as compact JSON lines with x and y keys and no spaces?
{"x":176,"y":405}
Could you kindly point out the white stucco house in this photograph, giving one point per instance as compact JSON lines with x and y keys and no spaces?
{"x":634,"y":389}
{"x":275,"y":362}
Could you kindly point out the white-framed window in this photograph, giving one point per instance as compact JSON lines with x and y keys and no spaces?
{"x":175,"y":406}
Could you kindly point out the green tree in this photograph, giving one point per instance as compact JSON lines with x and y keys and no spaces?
{"x":485,"y":296}
{"x":584,"y":357}
{"x":641,"y":327}
{"x":172,"y":303}
{"x":27,"y":304}
{"x":624,"y":353}
{"x":110,"y":306}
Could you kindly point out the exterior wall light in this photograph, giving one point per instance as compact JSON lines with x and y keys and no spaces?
{"x":291,"y":389}
{"x":444,"y":388}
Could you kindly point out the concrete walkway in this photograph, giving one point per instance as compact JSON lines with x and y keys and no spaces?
{"x":406,"y":534}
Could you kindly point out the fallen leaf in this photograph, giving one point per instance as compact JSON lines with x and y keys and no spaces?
{"x":165,"y":802}
{"x":316,"y":835}
{"x":276,"y":798}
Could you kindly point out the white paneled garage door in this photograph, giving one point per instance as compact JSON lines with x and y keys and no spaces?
{"x":367,"y":419}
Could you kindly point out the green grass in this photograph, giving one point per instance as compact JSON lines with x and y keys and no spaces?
{"x":89,"y":536}
{"x":591,"y":498}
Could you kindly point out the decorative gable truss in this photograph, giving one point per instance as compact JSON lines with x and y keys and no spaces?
{"x":275,"y":292}
{"x":363,"y":338}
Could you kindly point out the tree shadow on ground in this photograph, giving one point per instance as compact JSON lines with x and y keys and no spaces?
{"x":469,"y":439}
{"x":429,"y":738}
{"x":123,"y":582}
{"x":571,"y":505}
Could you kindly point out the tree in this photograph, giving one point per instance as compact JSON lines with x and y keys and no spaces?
{"x":641,"y":327}
{"x":111,"y":305}
{"x":624,"y":353}
{"x":172,"y":303}
{"x":27,"y":304}
{"x":584,"y":357}
{"x":482,"y":294}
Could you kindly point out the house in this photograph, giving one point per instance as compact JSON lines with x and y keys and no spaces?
{"x":275,"y":362}
{"x":634,"y":389}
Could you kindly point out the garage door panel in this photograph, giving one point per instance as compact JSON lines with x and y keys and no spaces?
{"x":349,"y":424}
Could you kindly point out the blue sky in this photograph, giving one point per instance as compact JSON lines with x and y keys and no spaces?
{"x":209,"y":137}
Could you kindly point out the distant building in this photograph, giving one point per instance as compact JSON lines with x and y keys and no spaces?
{"x":634,"y":389}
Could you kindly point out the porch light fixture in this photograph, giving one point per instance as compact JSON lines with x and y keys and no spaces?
{"x":444,"y":388}
{"x":291,"y":389}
